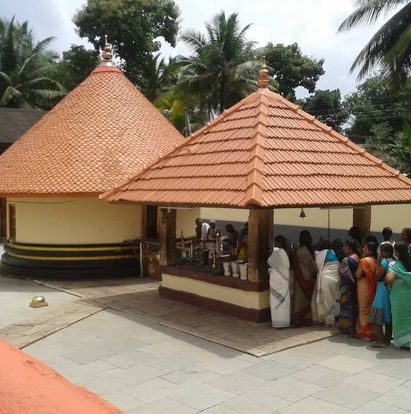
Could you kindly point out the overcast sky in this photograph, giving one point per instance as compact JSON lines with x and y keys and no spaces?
{"x":311,"y":23}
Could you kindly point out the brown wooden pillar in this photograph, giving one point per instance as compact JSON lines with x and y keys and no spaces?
{"x":168,"y":240}
{"x":362,"y":218}
{"x":3,"y":219}
{"x":260,"y":235}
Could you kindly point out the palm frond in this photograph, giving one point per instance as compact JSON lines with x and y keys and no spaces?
{"x":47,"y":94}
{"x":9,"y":94}
{"x":43,"y":45}
{"x":26,"y":64}
{"x":377,"y":52}
{"x":368,"y":12}
{"x":53,"y":85}
{"x":6,"y":78}
{"x":193,"y":38}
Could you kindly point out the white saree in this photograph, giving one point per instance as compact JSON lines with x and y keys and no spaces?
{"x":279,"y":288}
{"x":323,"y":305}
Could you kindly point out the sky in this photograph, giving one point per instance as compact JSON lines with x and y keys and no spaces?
{"x":312,"y":24}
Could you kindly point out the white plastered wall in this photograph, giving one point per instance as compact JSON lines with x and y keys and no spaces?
{"x":396,"y":216}
{"x":185,"y":221}
{"x":75,"y":221}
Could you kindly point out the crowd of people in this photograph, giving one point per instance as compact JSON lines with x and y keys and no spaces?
{"x":210,"y":240}
{"x":360,"y":285}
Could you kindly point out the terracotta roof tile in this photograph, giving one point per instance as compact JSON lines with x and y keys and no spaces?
{"x":104,"y":131}
{"x":266,"y":152}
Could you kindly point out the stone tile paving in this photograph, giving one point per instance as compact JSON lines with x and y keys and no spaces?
{"x":130,"y":357}
{"x":335,"y":375}
{"x":140,"y":297}
{"x":16,"y":295}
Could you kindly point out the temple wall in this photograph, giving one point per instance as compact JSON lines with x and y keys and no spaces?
{"x":186,"y":221}
{"x":90,"y":220}
{"x":75,"y":221}
{"x":395,"y":216}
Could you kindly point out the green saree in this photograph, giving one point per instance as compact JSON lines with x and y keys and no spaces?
{"x":401,"y":305}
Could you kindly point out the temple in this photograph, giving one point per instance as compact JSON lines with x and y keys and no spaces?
{"x":100,"y":134}
{"x":263,"y":153}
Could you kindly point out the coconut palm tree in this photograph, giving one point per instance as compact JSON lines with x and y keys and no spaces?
{"x":24,"y":67}
{"x":157,"y":77}
{"x":221,"y":69}
{"x":390,"y":48}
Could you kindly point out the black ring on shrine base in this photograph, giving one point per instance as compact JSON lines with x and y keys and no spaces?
{"x":70,"y":261}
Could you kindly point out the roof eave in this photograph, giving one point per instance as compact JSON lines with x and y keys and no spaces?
{"x":254,"y":204}
{"x":49,"y":195}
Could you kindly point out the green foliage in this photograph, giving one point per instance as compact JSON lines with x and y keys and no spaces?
{"x":394,"y":147}
{"x":220,"y":70}
{"x":75,"y":66}
{"x":132,"y":27}
{"x":381,"y":120}
{"x":184,"y":113}
{"x":389,"y":50}
{"x":327,"y":107}
{"x":157,"y":77}
{"x":292,"y":69}
{"x":172,"y":106}
{"x":24,"y":69}
{"x":374,"y":103}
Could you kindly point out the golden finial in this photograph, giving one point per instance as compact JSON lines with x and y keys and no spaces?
{"x":263,"y":74}
{"x":106,"y":55}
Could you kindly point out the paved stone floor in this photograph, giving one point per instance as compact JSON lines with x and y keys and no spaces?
{"x":143,"y":367}
{"x":140,"y":297}
{"x":16,"y":295}
{"x":140,"y":364}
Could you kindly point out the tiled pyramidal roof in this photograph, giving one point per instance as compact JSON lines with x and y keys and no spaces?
{"x":103,"y":132}
{"x":266,"y":152}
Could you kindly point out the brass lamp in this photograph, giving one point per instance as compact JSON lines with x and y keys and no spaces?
{"x":38,"y":302}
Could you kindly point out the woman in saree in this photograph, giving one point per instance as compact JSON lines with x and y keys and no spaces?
{"x":304,"y":272}
{"x":355,"y":234}
{"x":381,"y":308}
{"x":366,"y":276}
{"x":348,"y":289}
{"x":405,"y":237}
{"x":326,"y":286}
{"x":399,"y":277}
{"x":279,"y":265}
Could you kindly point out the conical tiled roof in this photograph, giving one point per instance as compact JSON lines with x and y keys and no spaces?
{"x":103,"y":132}
{"x":266,"y":152}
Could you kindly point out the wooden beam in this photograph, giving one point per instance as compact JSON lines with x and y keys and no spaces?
{"x":362,"y":218}
{"x":3,"y":219}
{"x":144,"y":222}
{"x":260,"y":241}
{"x":168,"y":240}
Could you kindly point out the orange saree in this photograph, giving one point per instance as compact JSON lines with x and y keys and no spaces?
{"x":366,"y":286}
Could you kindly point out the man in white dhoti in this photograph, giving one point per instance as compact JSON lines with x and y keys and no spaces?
{"x":279,"y":265}
{"x":323,"y":306}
